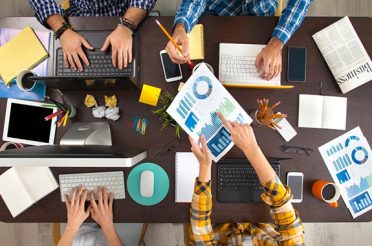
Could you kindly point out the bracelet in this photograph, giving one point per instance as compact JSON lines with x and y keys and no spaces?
{"x":124,"y":22}
{"x":61,"y":30}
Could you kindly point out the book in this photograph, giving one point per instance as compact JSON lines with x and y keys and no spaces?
{"x":328,"y":112}
{"x":24,"y":51}
{"x":187,"y":170}
{"x":21,"y":187}
{"x":345,"y":54}
{"x":196,"y":42}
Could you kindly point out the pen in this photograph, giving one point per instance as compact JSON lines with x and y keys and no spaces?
{"x":49,"y":117}
{"x":190,"y":63}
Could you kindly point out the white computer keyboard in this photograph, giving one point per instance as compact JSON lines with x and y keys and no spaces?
{"x":238,"y":67}
{"x":113,"y":181}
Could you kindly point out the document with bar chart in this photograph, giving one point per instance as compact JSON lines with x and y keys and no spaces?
{"x":195,"y":109}
{"x":347,"y":159}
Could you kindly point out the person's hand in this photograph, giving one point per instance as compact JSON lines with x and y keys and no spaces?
{"x":269,"y":60}
{"x":203,"y":154}
{"x":121,"y":46}
{"x":241,"y":134}
{"x":179,"y":35}
{"x":76,"y":213}
{"x":102,"y":209}
{"x":71,"y":43}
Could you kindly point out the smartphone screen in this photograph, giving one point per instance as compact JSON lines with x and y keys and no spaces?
{"x":295,"y":183}
{"x":296,"y":64}
{"x":171,"y":70}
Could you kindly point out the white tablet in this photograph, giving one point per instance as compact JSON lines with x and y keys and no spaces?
{"x":24,"y":122}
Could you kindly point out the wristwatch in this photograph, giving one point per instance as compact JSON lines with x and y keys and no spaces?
{"x":124,"y":22}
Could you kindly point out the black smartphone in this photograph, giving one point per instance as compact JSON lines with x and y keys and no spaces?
{"x":296,"y":64}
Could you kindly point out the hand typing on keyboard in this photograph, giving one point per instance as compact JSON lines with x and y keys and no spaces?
{"x":101,"y":211}
{"x":71,"y":43}
{"x":269,"y":60}
{"x":121,"y":46}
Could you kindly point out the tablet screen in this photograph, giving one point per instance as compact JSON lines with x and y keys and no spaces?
{"x":27,"y":122}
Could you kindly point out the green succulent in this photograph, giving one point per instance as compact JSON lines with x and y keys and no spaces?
{"x":161,"y":112}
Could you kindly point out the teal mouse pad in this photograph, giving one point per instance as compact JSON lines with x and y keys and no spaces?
{"x":161,"y":184}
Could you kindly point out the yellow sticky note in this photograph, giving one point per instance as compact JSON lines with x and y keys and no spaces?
{"x":150,"y":95}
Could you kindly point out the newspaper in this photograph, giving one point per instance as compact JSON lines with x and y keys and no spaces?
{"x":345,"y":55}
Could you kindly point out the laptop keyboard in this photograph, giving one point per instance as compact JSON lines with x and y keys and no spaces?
{"x":240,"y":178}
{"x":100,"y":65}
{"x":238,"y":67}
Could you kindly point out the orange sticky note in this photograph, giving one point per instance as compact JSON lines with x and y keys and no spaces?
{"x":150,"y":95}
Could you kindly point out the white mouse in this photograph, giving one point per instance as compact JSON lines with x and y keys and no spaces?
{"x":147,"y":183}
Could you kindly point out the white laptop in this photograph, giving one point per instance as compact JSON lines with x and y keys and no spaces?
{"x":237,"y":65}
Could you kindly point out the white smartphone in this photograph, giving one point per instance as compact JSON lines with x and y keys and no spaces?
{"x":172,"y":71}
{"x":295,"y":181}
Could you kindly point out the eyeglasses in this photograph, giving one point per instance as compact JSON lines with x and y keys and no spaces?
{"x":169,"y":146}
{"x":296,"y":149}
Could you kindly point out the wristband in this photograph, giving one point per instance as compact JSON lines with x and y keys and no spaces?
{"x":61,"y":30}
{"x":124,"y":22}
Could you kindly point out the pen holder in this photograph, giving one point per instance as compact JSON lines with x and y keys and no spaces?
{"x":23,"y":82}
{"x":72,"y":111}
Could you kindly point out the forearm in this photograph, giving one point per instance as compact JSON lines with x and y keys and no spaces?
{"x":55,"y":21}
{"x":135,"y":14}
{"x":204,"y":174}
{"x":112,"y":236}
{"x":260,"y":164}
{"x":189,"y":13}
{"x":45,"y":8}
{"x":291,"y":19}
{"x":68,"y":236}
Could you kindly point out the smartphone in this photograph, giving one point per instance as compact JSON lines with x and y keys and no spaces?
{"x":172,"y":71}
{"x":295,"y":181}
{"x":296,"y":71}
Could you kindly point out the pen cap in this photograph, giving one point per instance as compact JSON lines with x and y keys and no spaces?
{"x":23,"y":82}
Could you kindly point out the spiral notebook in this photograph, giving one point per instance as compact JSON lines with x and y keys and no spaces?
{"x":187,"y":169}
{"x":196,"y":42}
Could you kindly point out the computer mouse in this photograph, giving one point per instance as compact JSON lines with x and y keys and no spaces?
{"x":147,"y":183}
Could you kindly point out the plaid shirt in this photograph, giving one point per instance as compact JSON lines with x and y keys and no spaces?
{"x":45,"y":8}
{"x":287,"y":228}
{"x":292,"y":16}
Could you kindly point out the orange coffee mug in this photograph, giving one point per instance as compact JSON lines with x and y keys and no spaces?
{"x":326,"y":191}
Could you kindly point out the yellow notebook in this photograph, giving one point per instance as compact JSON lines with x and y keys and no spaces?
{"x":196,"y":42}
{"x":22,"y":52}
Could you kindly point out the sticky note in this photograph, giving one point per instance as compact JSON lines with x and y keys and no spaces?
{"x":150,"y":95}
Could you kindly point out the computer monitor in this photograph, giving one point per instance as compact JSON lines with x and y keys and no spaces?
{"x":71,"y":156}
{"x":85,"y":144}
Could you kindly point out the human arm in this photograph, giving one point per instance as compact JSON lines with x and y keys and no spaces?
{"x":121,"y":38}
{"x":186,"y":18}
{"x":76,"y":215}
{"x":201,"y":231}
{"x":102,"y":213}
{"x":276,"y":195}
{"x":269,"y":60}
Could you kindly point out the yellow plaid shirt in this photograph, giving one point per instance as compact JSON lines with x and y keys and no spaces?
{"x":286,"y":229}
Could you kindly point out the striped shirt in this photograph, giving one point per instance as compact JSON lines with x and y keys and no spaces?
{"x":292,"y":16}
{"x":286,"y":229}
{"x":45,"y":8}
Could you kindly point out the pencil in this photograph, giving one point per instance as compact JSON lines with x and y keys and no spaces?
{"x":49,"y":117}
{"x":191,"y":64}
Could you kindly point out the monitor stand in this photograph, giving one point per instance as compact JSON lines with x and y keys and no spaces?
{"x":88,"y":133}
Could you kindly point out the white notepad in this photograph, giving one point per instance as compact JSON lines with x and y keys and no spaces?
{"x":20,"y":187}
{"x":327,"y":112}
{"x":187,"y":169}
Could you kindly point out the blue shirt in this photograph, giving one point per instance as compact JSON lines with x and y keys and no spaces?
{"x":292,"y":16}
{"x":45,"y":8}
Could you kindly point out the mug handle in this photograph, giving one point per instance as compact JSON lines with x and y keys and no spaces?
{"x":333,"y":204}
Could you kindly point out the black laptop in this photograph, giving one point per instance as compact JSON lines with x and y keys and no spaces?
{"x":238,"y":182}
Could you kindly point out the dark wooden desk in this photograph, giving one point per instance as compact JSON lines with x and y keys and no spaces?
{"x":217,"y":29}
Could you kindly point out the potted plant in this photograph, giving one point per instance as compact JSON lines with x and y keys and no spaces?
{"x":161,"y":112}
